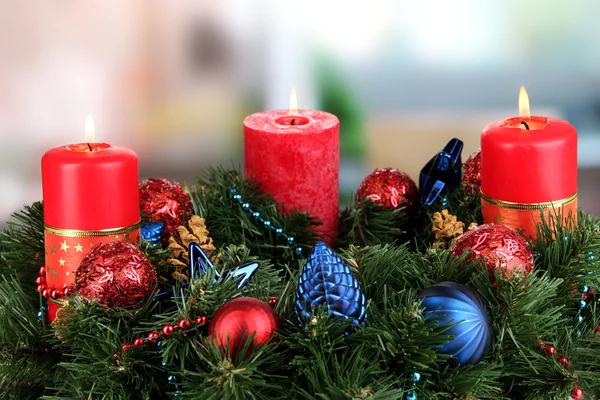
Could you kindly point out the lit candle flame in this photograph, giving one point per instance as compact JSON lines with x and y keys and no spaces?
{"x":90,"y":132}
{"x":293,"y":101}
{"x":524,"y":103}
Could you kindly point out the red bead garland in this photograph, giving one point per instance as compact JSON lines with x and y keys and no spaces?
{"x":42,"y":287}
{"x":550,"y":351}
{"x":184,"y":324}
{"x":272,"y":301}
{"x":577,"y":393}
{"x":167,"y":330}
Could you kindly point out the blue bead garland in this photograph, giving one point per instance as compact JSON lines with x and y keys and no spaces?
{"x":266,"y":223}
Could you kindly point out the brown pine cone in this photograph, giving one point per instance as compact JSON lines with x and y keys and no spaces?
{"x":446,"y":228}
{"x":195,"y":232}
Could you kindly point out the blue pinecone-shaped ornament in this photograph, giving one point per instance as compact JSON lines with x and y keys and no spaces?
{"x":152,"y":231}
{"x":327,"y":280}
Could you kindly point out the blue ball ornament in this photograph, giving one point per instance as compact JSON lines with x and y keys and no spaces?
{"x":451,"y":303}
{"x":152,"y":231}
{"x":327,"y":281}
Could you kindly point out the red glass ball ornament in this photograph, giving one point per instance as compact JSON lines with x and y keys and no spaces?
{"x":55,"y":294}
{"x":138,"y":342}
{"x":42,"y":271}
{"x":46,"y":293}
{"x":550,"y":351}
{"x":201,"y":320}
{"x":167,"y":330}
{"x":125,"y":347}
{"x":471,"y":177}
{"x":502,"y":248}
{"x":184,"y":324}
{"x":41,"y":288}
{"x":237,"y":319}
{"x":40,"y":280}
{"x":153,"y":337}
{"x":577,"y":393}
{"x":390,"y":188}
{"x":165,"y":201}
{"x":562,"y":360}
{"x":66,"y":291}
{"x":116,"y":274}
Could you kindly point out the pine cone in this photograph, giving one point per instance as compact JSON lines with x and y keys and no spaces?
{"x":446,"y":228}
{"x":194,"y":232}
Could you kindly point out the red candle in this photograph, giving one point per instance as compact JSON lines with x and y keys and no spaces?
{"x":295,"y":158}
{"x":90,"y":196}
{"x":528,"y":164}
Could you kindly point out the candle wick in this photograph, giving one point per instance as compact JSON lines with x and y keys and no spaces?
{"x":90,"y":147}
{"x":293,"y":121}
{"x":525,"y":123}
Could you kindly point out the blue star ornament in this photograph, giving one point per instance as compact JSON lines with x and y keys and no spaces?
{"x":442,"y":173}
{"x":327,"y":281}
{"x":463,"y":314}
{"x":200,"y":264}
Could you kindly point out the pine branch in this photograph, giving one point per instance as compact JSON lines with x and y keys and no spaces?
{"x":367,"y":224}
{"x":22,"y":245}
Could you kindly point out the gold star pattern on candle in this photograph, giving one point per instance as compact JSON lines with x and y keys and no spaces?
{"x":78,"y":248}
{"x":62,"y":262}
{"x":53,"y":272}
{"x":52,"y":249}
{"x":64,"y":246}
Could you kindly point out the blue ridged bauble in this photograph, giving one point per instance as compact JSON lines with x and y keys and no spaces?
{"x":327,"y":281}
{"x":453,"y":303}
{"x":152,"y":231}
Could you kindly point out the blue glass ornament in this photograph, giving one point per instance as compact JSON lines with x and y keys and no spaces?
{"x":199,"y":264}
{"x":152,"y":231}
{"x":411,"y":395}
{"x":237,"y":197}
{"x":327,"y":280}
{"x":455,"y":304}
{"x":278,"y":231}
{"x":442,"y":173}
{"x":246,"y":206}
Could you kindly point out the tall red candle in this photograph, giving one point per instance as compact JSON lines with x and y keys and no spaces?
{"x":90,"y":196}
{"x":528,"y":164}
{"x":295,"y":157}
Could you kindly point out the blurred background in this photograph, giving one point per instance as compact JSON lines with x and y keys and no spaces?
{"x":174,"y":80}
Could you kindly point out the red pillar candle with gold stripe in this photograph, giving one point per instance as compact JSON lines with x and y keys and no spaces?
{"x":90,"y":196}
{"x":528,"y":164}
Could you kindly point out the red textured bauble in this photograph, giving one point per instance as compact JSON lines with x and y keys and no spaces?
{"x":471,"y":177}
{"x":237,"y":319}
{"x":165,"y":201}
{"x":391,"y":189}
{"x":502,"y":248}
{"x":116,"y":274}
{"x":577,"y":393}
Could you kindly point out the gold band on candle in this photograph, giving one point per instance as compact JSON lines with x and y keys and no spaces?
{"x":529,"y":206}
{"x":78,"y":233}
